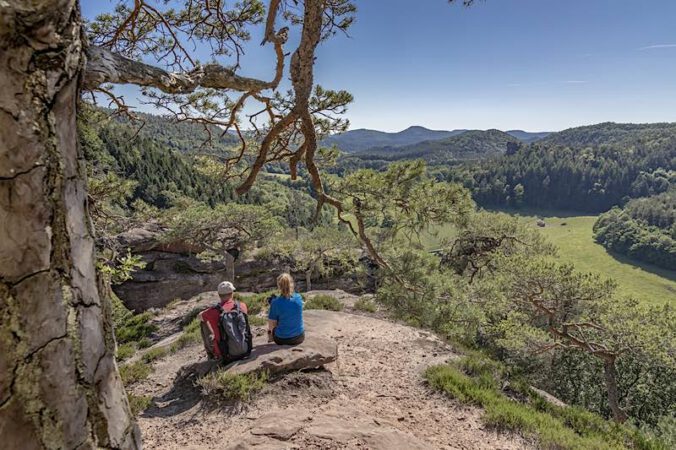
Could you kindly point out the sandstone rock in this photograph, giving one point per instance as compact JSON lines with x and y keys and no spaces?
{"x":281,"y":424}
{"x":173,"y":271}
{"x":315,"y":352}
{"x":343,"y":429}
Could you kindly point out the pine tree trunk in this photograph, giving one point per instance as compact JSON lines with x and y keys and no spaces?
{"x":59,"y":384}
{"x":610,"y":373}
{"x":308,"y":281}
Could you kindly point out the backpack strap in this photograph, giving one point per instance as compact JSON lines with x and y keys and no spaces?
{"x":237,"y":306}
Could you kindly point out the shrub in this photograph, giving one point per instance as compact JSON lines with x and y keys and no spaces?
{"x":255,"y":303}
{"x":365,"y":304}
{"x":228,"y":386}
{"x":154,"y":354}
{"x":130,"y":327}
{"x":326,"y":302}
{"x":139,"y":403}
{"x":125,"y":351}
{"x":133,"y":373}
{"x":144,"y":343}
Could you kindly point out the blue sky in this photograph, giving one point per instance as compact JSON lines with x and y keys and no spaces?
{"x":506,"y":64}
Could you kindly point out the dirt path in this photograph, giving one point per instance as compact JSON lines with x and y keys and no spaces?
{"x":373,"y":397}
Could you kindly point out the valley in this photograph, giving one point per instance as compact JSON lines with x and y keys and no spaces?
{"x":213,"y":234}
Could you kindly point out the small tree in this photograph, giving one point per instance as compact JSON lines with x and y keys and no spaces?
{"x":323,"y":251}
{"x":222,"y":231}
{"x":560,"y":309}
{"x":380,"y":208}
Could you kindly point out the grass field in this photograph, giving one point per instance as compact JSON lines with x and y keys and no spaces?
{"x":573,"y":235}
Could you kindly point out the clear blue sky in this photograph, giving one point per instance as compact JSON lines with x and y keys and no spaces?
{"x":528,"y":64}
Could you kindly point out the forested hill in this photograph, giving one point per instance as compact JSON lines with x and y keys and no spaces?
{"x":154,"y":159}
{"x":623,"y":135}
{"x":583,"y":169}
{"x":527,"y":136}
{"x":469,"y":145}
{"x":362,"y":139}
{"x":180,"y":136}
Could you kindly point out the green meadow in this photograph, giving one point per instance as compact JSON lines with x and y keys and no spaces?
{"x":573,"y":236}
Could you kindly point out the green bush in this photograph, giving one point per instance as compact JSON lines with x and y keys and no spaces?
{"x":154,"y":354}
{"x":130,"y":327}
{"x":255,"y":303}
{"x":144,"y":343}
{"x":365,"y":304}
{"x":326,"y":302}
{"x":125,"y":351}
{"x":133,"y":373}
{"x":228,"y":386}
{"x":139,"y":403}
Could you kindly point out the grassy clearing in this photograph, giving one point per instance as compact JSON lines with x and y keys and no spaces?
{"x":476,"y":380}
{"x":573,"y":236}
{"x":365,"y":305}
{"x":133,"y":373}
{"x":227,"y":386}
{"x":139,"y":403}
{"x":326,"y":302}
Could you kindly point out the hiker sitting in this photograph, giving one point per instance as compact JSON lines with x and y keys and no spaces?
{"x":285,"y":319}
{"x":210,"y":318}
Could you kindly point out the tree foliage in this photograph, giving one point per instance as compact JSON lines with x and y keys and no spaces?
{"x":645,"y":230}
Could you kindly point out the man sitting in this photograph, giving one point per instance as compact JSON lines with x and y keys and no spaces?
{"x":210,"y":330}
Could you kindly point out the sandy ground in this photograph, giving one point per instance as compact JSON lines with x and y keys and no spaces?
{"x":372,"y":397}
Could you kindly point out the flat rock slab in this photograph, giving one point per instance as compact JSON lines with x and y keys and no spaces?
{"x":267,"y":357}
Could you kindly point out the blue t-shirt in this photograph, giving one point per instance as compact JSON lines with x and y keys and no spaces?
{"x":288,"y":312}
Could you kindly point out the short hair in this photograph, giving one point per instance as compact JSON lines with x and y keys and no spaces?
{"x":285,"y":285}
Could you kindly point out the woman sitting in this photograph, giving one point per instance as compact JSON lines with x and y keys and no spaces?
{"x":285,"y":319}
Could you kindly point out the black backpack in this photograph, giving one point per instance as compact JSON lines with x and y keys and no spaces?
{"x":236,"y":339}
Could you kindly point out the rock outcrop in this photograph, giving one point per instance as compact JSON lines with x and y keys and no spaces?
{"x":173,"y":271}
{"x":315,"y":352}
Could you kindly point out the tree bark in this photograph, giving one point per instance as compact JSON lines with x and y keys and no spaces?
{"x":308,"y":280}
{"x":610,"y":373}
{"x":59,"y":384}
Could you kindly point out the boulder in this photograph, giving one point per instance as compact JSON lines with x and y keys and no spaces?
{"x":315,"y":352}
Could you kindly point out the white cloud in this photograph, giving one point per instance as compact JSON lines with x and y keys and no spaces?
{"x":657,"y":46}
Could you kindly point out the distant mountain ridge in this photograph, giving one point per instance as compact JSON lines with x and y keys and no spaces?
{"x":363,"y":139}
{"x":467,"y":145}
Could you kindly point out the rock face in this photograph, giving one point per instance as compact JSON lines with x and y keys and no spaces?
{"x":174,"y":272}
{"x":315,"y":352}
